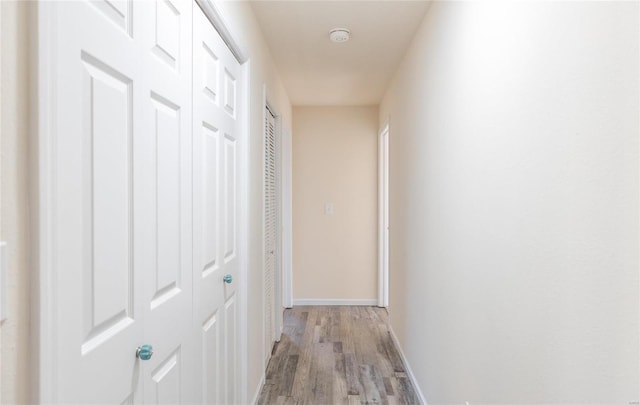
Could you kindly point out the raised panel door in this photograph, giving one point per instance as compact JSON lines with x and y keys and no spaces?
{"x":167,"y":293}
{"x":97,"y":301}
{"x":216,"y":126}
{"x":122,"y":225}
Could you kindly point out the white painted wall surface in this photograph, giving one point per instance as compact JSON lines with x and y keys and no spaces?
{"x":335,"y":152}
{"x":15,"y":342}
{"x":242,"y":23}
{"x":514,"y":202}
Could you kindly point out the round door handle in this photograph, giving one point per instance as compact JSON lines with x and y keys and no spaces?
{"x":227,"y":279}
{"x":144,"y":352}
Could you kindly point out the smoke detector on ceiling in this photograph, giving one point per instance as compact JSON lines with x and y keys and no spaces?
{"x":339,"y":35}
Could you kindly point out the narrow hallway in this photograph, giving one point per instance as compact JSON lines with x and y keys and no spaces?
{"x":176,"y":173}
{"x":336,"y":355}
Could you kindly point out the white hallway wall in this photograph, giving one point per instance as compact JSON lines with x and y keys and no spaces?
{"x":514,"y":202}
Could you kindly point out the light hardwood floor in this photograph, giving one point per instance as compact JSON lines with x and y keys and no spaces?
{"x":336,"y":355}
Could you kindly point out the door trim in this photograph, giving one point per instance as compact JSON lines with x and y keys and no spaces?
{"x":43,"y":167}
{"x":383,"y":212}
{"x":213,"y":13}
{"x":286,"y":172}
{"x":245,"y":162}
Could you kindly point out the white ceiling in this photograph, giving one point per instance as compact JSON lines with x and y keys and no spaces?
{"x":316,"y":71}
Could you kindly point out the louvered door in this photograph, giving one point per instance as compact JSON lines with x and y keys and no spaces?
{"x":270,"y":229}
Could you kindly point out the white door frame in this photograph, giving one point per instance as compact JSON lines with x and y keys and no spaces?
{"x":286,"y":209}
{"x":383,"y":216}
{"x":43,"y":164}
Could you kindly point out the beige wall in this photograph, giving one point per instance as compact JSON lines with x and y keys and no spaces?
{"x":514,"y":202}
{"x":242,"y":22}
{"x":14,"y":220}
{"x":335,"y":153}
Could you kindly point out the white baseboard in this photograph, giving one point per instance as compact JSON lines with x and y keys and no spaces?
{"x":337,"y":301}
{"x":407,"y":367}
{"x":256,"y":396}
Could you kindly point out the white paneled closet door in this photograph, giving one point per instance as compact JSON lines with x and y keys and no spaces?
{"x":270,"y":230}
{"x":217,"y":96}
{"x":97,"y":293}
{"x":165,"y":201}
{"x":121,"y":202}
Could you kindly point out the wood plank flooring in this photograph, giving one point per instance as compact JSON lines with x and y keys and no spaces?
{"x":336,"y":355}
